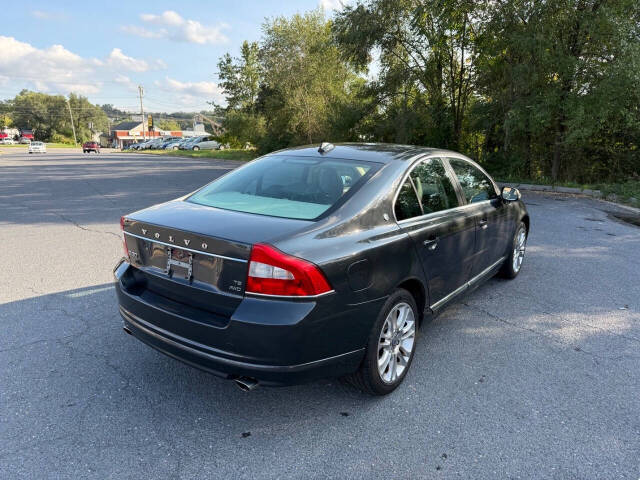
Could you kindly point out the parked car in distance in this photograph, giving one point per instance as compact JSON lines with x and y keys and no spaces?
{"x":316,"y":262}
{"x":89,"y":147}
{"x":37,"y":147}
{"x":173,"y":144}
{"x":166,"y":141}
{"x":190,"y":141}
{"x":140,"y":145}
{"x":25,"y":140}
{"x":8,"y":141}
{"x":205,"y":143}
{"x":154,"y":143}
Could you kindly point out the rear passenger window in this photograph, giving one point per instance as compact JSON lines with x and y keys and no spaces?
{"x":407,"y":204}
{"x":435,"y":190}
{"x":476,"y":186}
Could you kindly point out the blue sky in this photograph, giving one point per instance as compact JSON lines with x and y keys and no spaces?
{"x":105,"y":49}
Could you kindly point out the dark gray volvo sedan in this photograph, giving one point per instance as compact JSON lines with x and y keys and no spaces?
{"x":313,"y":262}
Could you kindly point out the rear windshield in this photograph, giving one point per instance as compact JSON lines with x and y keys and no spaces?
{"x":281,"y":186}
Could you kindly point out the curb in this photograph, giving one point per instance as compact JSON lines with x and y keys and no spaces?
{"x":552,"y":188}
{"x":587,"y":192}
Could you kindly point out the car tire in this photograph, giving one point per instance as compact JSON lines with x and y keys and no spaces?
{"x":174,"y":148}
{"x":196,"y":148}
{"x":513,"y":264}
{"x":386,"y":344}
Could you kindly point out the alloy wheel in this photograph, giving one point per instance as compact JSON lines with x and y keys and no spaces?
{"x":519,"y":248}
{"x":396,"y":342}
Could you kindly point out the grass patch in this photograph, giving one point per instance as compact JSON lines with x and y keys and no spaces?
{"x":229,"y":154}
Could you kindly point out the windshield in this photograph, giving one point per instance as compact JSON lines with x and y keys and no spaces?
{"x":292,"y":187}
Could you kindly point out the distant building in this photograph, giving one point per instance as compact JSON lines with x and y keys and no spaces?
{"x":126,"y":133}
{"x":8,"y":132}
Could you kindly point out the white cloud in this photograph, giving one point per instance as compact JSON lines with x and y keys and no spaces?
{"x":126,"y":82}
{"x":189,"y":95}
{"x":173,"y":26}
{"x":328,"y":5}
{"x":57,"y":70}
{"x":119,"y":60}
{"x":51,"y":69}
{"x":168,"y":17}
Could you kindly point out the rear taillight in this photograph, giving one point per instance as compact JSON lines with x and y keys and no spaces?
{"x":272,"y":272}
{"x":124,"y":240}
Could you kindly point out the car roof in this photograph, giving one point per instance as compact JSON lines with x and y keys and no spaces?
{"x":371,"y":152}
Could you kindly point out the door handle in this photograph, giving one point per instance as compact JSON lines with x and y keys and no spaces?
{"x":483,"y":223}
{"x":431,"y":244}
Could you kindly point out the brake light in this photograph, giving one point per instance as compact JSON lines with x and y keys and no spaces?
{"x":272,"y":272}
{"x":124,"y":240}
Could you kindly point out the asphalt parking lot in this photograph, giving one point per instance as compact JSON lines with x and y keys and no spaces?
{"x":533,"y":378}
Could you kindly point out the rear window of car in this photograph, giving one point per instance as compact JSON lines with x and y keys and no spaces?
{"x":282,"y":186}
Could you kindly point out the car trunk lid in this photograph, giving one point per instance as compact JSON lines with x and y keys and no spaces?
{"x":195,"y":256}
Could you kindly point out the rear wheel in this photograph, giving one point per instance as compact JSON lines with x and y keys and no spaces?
{"x":390,"y":347}
{"x":513,"y":264}
{"x":196,"y":148}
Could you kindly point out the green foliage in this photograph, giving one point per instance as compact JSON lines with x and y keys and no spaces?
{"x":167,"y":124}
{"x":48,"y":116}
{"x":240,"y":77}
{"x":292,"y":88}
{"x":560,"y":88}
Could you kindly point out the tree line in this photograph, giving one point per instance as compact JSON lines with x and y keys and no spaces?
{"x":532,"y":89}
{"x":49,"y":116}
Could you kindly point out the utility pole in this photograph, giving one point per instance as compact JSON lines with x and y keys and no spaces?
{"x":75,"y":140}
{"x":141,"y":91}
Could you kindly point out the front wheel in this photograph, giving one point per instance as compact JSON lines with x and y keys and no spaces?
{"x":195,"y":149}
{"x":390,"y":347}
{"x":513,"y":264}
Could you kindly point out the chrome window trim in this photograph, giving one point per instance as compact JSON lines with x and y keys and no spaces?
{"x":443,"y":156}
{"x":152,"y":240}
{"x":404,"y":179}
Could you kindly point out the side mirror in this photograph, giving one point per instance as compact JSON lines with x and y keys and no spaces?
{"x":510,"y":194}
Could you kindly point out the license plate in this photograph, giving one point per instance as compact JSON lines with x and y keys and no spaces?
{"x":179,"y":263}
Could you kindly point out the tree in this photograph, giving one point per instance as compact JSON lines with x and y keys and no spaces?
{"x":426,"y":53}
{"x":48,"y":116}
{"x":307,"y":81}
{"x":240,"y":77}
{"x":168,"y":124}
{"x":560,"y":83}
{"x":291,"y":88}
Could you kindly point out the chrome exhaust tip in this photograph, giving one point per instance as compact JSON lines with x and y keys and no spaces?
{"x":246,"y":384}
{"x":126,"y":330}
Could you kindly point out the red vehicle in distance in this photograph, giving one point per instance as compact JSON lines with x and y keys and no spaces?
{"x":89,"y":147}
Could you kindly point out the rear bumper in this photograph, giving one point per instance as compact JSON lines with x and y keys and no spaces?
{"x":274,"y":375}
{"x":274,"y":341}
